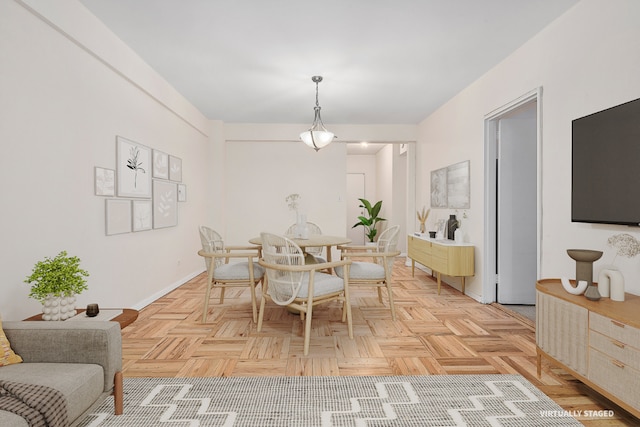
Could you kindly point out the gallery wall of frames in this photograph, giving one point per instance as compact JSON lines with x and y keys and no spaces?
{"x":144,"y":190}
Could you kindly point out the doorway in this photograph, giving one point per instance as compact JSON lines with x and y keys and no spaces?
{"x":512,"y":184}
{"x":355,"y":191}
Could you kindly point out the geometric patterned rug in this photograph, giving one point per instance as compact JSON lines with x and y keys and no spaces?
{"x":431,"y":400}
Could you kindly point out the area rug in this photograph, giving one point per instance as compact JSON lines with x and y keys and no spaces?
{"x":438,"y":400}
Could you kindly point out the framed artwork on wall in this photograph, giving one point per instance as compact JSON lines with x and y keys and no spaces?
{"x":160,"y":164}
{"x":439,"y":188}
{"x":133,"y":165}
{"x":458,"y":186}
{"x":165,"y":204}
{"x":117,"y":216}
{"x":142,"y":215}
{"x":105,"y":181}
{"x":182,"y":193}
{"x":175,"y":169}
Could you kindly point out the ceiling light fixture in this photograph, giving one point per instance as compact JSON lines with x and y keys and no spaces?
{"x":317,"y":136}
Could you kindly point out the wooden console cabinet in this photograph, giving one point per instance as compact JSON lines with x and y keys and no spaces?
{"x":598,"y":342}
{"x":442,"y":257}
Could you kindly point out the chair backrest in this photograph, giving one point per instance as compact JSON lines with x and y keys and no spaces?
{"x":313,"y":229}
{"x":211,"y":242}
{"x":283,"y":286}
{"x":388,"y":242}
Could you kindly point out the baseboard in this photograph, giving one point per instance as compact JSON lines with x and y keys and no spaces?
{"x":152,"y":298}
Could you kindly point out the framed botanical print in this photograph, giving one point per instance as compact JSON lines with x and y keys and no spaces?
{"x":117,"y":216}
{"x":133,"y":165}
{"x":142,"y":215}
{"x":105,"y":181}
{"x":175,"y":168}
{"x":160,"y":164}
{"x":165,"y":204}
{"x":182,"y":193}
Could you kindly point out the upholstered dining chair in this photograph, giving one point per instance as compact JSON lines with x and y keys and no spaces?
{"x":316,"y":251}
{"x":378,"y":271}
{"x":292,"y":283}
{"x":223,"y":274}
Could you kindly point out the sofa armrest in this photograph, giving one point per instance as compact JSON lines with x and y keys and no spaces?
{"x":97,"y":342}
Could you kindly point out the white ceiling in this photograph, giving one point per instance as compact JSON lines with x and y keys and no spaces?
{"x":383,"y":61}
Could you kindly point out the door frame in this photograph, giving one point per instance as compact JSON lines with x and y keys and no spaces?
{"x":490,"y":183}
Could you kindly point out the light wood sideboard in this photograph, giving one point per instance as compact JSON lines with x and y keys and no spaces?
{"x":442,"y":257}
{"x":598,"y":342}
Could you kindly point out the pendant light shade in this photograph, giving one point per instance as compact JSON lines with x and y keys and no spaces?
{"x":317,"y":136}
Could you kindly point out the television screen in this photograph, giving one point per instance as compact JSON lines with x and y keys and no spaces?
{"x":605,"y":181}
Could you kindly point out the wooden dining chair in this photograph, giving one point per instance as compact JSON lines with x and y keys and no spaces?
{"x":292,"y":283}
{"x":223,"y":274}
{"x":376,"y":272}
{"x":316,"y":251}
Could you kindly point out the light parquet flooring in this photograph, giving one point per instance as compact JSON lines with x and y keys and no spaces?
{"x":434,"y":334}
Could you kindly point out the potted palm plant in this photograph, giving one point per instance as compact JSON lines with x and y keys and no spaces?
{"x":55,"y":282}
{"x":370,"y":221}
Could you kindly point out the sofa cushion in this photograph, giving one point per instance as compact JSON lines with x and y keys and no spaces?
{"x":11,"y":419}
{"x":7,"y":355}
{"x":81,"y":384}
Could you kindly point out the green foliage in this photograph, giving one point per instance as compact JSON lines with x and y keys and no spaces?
{"x":370,"y":221}
{"x":59,"y":276}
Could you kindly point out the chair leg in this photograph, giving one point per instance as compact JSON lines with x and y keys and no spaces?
{"x":380,"y":294}
{"x":307,"y":329}
{"x":207,"y":294}
{"x":222,"y":294}
{"x":118,"y":399}
{"x":253,"y":302}
{"x":393,"y":308}
{"x":261,"y":313}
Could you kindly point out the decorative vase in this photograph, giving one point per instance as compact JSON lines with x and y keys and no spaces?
{"x":611,"y":284}
{"x":584,"y":259}
{"x":302,"y":228}
{"x":452,"y":226}
{"x":422,"y":228}
{"x":58,"y":307}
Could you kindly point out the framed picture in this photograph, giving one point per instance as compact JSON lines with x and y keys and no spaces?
{"x":458,"y":186}
{"x":142,"y":215}
{"x":175,"y":169}
{"x":105,"y":181}
{"x":117,"y":216}
{"x":133,"y":164}
{"x":439,"y":188}
{"x":160,"y":164}
{"x":182,"y":193}
{"x":165,"y":204}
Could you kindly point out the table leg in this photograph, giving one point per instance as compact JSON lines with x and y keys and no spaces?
{"x":413,"y":268}
{"x":439,"y":281}
{"x":463,"y":283}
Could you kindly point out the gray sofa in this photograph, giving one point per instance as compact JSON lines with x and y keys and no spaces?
{"x":82,"y":359}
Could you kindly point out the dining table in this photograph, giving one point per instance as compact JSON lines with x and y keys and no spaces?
{"x":314,"y":240}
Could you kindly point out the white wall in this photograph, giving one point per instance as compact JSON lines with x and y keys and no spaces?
{"x":585,"y":61}
{"x":67,"y":88}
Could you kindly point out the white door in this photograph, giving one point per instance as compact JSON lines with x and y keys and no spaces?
{"x":355,"y":191}
{"x":517,"y":206}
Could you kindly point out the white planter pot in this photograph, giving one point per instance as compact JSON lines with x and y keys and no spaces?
{"x":58,"y":308}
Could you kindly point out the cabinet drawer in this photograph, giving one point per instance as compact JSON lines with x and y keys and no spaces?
{"x":439,"y":251}
{"x":617,"y":330}
{"x":618,"y":379}
{"x":623,"y":352}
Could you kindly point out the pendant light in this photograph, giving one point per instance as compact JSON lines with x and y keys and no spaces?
{"x":317,"y":136}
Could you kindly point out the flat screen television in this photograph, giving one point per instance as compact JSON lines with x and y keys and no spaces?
{"x":605,"y":180}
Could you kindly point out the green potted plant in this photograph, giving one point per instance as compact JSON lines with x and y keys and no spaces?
{"x":55,"y":282}
{"x":370,"y":221}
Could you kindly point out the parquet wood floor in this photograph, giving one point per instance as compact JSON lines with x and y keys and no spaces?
{"x":434,"y":334}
